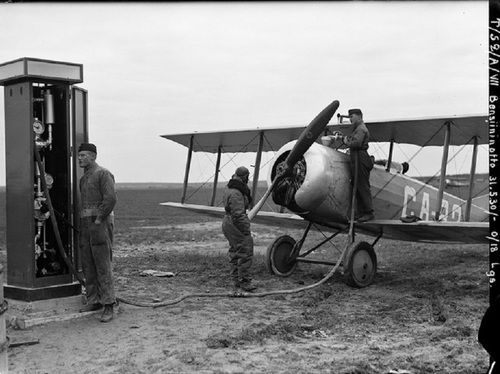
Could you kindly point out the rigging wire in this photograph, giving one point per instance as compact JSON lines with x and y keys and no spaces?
{"x":409,"y":161}
{"x":427,"y":182}
{"x":213,"y":175}
{"x":229,"y":161}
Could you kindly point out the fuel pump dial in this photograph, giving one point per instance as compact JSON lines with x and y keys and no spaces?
{"x":49,"y":180}
{"x":38,"y":127}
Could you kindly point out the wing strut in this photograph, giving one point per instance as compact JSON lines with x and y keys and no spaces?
{"x":188,"y":166}
{"x":471,"y":180}
{"x":389,"y":161}
{"x":216,"y":175}
{"x":258,"y":159}
{"x":444,"y":163}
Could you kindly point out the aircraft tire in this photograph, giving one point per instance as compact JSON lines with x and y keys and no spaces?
{"x":277,"y":256}
{"x":360,"y":265}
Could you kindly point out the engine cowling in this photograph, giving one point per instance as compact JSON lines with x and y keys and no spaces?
{"x":319,"y":188}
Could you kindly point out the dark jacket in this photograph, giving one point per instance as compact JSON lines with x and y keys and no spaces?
{"x":98,"y":195}
{"x":359,"y":138}
{"x":236,"y":201}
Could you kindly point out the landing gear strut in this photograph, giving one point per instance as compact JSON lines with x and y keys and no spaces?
{"x":360,"y":260}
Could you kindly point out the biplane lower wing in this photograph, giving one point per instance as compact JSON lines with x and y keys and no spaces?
{"x":428,"y":231}
{"x":421,"y":231}
{"x":285,"y":220}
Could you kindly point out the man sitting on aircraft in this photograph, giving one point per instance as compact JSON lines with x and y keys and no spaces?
{"x":357,"y":142}
{"x":236,"y":229}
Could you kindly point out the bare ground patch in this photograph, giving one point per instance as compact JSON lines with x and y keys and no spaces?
{"x":421,"y":314}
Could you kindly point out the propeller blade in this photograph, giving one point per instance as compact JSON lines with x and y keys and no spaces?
{"x":310,"y":134}
{"x":306,"y":139}
{"x":261,"y":202}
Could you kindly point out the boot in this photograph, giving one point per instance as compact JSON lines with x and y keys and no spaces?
{"x":234,"y":276}
{"x":366,"y":218}
{"x":107,"y":313}
{"x":90,"y":307}
{"x":247,"y":286}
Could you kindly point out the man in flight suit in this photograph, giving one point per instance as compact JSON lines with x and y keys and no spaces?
{"x":357,"y":142}
{"x":236,"y":229}
{"x":98,"y":199}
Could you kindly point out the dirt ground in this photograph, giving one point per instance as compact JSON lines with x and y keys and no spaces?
{"x":421,"y":315}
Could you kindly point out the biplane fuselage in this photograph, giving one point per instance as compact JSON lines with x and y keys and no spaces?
{"x":325,"y":193}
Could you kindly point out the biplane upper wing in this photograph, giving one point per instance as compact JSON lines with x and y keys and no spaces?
{"x":237,"y":140}
{"x":421,"y":231}
{"x":430,"y":131}
{"x":420,"y":131}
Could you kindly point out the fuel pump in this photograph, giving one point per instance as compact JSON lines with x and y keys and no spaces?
{"x":45,"y":120}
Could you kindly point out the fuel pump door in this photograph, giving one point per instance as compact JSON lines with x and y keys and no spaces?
{"x":80,"y":134}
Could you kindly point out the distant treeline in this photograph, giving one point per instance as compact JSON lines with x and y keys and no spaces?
{"x":480,"y":179}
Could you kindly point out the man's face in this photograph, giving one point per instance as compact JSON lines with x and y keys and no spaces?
{"x":355,"y":119}
{"x":85,"y":158}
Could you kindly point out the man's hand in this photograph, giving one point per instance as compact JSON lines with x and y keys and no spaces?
{"x":97,"y":234}
{"x":328,"y":140}
{"x":337,"y":135}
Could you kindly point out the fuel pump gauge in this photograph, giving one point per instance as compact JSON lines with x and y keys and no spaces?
{"x":38,"y":127}
{"x":49,"y":180}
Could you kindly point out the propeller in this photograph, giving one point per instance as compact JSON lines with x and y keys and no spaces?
{"x":306,"y":139}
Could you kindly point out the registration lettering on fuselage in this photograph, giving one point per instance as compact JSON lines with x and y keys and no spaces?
{"x":420,"y":204}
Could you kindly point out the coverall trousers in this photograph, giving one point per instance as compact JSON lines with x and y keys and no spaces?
{"x":240,"y":251}
{"x":363,"y":190}
{"x":96,"y":243}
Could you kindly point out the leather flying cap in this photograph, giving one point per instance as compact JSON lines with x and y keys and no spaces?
{"x":355,"y":111}
{"x":242,"y":171}
{"x":87,"y":147}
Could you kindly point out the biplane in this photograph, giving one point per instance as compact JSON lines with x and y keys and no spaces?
{"x":313,"y":185}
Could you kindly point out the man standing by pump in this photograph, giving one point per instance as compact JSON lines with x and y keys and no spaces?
{"x":357,"y":142}
{"x":236,"y":229}
{"x":98,"y":199}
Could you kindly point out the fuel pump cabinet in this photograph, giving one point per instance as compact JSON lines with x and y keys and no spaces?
{"x":45,"y":120}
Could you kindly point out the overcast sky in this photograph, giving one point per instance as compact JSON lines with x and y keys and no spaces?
{"x":159,"y":68}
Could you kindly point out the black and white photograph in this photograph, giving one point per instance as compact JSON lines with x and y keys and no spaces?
{"x":249,"y":187}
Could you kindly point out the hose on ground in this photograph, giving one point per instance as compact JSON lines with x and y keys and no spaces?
{"x":238,"y":294}
{"x":235,"y":294}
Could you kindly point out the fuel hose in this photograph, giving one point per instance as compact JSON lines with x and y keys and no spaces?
{"x":53,"y":219}
{"x":236,"y":294}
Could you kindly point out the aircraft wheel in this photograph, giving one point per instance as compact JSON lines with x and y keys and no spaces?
{"x":278,"y":253}
{"x":360,"y":265}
